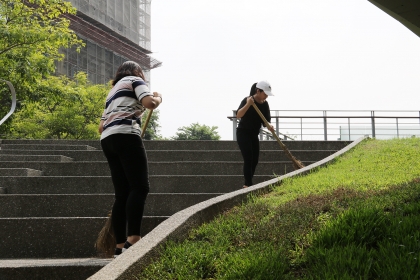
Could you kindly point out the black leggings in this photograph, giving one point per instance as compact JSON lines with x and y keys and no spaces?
{"x":250,"y":148}
{"x":127,"y":161}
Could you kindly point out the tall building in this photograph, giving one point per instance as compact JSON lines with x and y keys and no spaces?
{"x":114,"y":31}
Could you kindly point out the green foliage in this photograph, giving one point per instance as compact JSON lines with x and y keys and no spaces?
{"x":31,"y":32}
{"x":336,"y":223}
{"x":64,"y":109}
{"x":197,"y":131}
{"x":152,"y":129}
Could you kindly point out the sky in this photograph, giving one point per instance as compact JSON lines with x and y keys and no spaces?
{"x":317,"y":55}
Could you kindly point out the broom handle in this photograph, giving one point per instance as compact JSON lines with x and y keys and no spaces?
{"x":267,"y":125}
{"x":143,"y":131}
{"x":296,"y":163}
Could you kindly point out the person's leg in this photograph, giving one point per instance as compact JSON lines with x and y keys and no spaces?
{"x":134,"y":159}
{"x":255,"y":152}
{"x":121,"y":189}
{"x":245,"y":145}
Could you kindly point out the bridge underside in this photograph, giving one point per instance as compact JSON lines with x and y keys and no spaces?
{"x":405,"y":11}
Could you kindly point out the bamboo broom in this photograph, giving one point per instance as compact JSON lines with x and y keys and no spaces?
{"x":296,"y":163}
{"x":105,"y":243}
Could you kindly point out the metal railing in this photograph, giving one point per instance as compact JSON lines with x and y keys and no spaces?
{"x":12,"y":109}
{"x":339,"y":125}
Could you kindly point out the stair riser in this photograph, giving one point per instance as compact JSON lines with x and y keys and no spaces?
{"x":91,"y":185}
{"x":34,"y":146}
{"x":56,"y":238}
{"x":15,"y":206}
{"x":19,"y":172}
{"x":49,"y":272}
{"x":27,"y":157}
{"x":180,"y":155}
{"x":155,"y":168}
{"x":194,"y":145}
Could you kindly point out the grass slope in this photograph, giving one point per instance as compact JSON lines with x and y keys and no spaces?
{"x":358,"y":218}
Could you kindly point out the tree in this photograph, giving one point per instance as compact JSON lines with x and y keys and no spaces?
{"x":197,"y":131}
{"x":152,"y":129}
{"x":65,"y":109}
{"x":32,"y":32}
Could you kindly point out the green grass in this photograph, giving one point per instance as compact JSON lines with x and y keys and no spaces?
{"x":358,"y":218}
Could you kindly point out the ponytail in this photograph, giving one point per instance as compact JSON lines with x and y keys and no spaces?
{"x":253,"y":89}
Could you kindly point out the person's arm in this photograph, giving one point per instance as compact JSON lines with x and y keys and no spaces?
{"x":241,"y":112}
{"x":152,"y":102}
{"x":267,"y":116}
{"x":148,"y":101}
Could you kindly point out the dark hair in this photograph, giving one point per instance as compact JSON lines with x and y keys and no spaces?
{"x":254,"y":89}
{"x":128,"y":68}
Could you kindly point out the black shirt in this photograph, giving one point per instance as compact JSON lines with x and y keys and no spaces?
{"x":251,"y":120}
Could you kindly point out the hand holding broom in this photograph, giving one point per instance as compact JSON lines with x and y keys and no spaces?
{"x":143,"y":130}
{"x":105,"y":243}
{"x":296,"y":163}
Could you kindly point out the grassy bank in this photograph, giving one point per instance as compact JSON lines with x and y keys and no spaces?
{"x":355,"y":219}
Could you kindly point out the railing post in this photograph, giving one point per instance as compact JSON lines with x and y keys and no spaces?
{"x":12,"y":109}
{"x":325,"y":126}
{"x":372,"y":114}
{"x":234,"y":122}
{"x":398,"y":132}
{"x":301,"y":130}
{"x":277,"y":123}
{"x":348,"y":122}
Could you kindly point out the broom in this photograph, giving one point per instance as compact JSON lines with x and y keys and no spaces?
{"x":296,"y":163}
{"x":105,"y":243}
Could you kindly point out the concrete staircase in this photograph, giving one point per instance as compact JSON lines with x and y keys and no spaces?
{"x":55,"y":194}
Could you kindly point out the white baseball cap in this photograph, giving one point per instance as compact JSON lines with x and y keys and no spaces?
{"x":266,"y":87}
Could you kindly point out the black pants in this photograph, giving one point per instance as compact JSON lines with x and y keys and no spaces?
{"x":250,"y":148}
{"x":127,"y":161}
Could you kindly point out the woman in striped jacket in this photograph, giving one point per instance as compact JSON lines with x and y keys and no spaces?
{"x":123,"y":147}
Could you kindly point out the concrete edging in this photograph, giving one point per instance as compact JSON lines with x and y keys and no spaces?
{"x":176,"y":227}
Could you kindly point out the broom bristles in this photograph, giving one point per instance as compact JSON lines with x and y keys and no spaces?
{"x":105,"y":243}
{"x":297,"y":164}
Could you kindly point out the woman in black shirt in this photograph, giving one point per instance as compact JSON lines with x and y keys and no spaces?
{"x":249,"y":127}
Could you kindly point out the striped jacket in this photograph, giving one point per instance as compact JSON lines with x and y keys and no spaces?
{"x":123,"y":107}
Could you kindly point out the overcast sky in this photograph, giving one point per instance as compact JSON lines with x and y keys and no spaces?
{"x":317,"y":55}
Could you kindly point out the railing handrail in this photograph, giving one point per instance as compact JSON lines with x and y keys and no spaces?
{"x":12,"y":109}
{"x":375,"y":121}
{"x":335,"y":117}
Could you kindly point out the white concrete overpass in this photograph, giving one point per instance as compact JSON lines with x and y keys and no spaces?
{"x":405,"y":11}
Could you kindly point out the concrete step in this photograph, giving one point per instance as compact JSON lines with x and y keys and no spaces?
{"x":28,"y":157}
{"x":101,"y":168}
{"x":92,"y":143}
{"x":232,"y":145}
{"x":103,"y":184}
{"x":91,"y":205}
{"x":180,"y":155}
{"x":194,"y":145}
{"x":53,"y":238}
{"x":41,"y":269}
{"x":76,"y":155}
{"x":34,"y":146}
{"x":19,"y":172}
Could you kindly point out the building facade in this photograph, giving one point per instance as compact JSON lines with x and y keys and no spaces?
{"x":114,"y":31}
